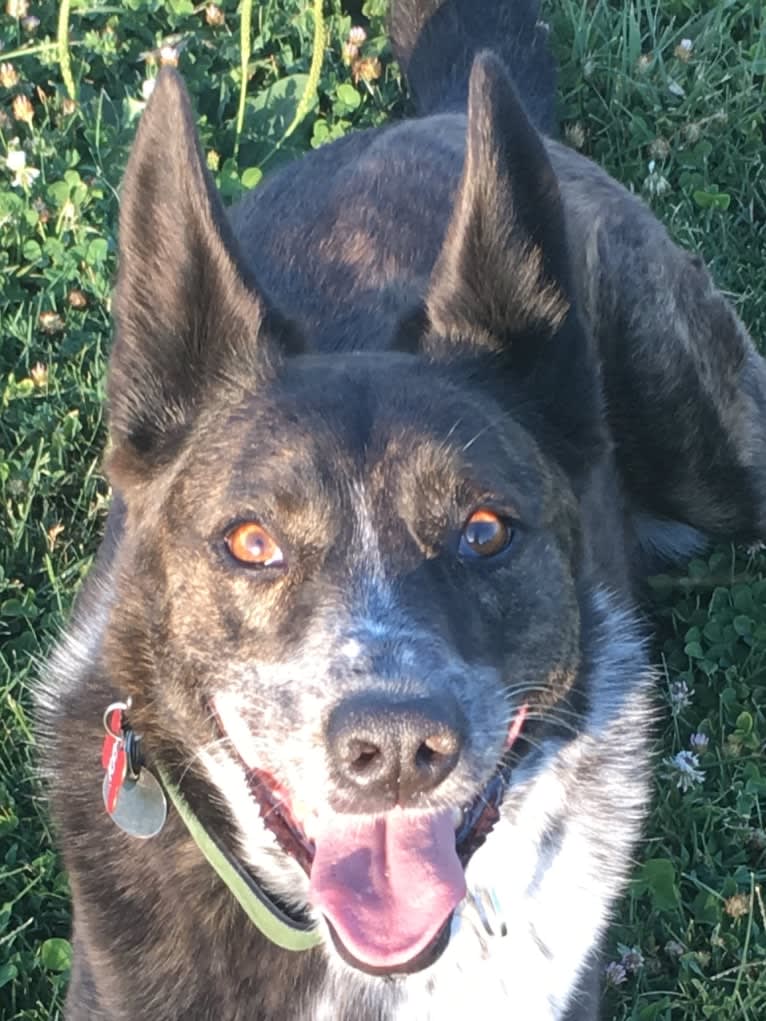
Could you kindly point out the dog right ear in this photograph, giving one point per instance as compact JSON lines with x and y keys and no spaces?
{"x":189,"y":320}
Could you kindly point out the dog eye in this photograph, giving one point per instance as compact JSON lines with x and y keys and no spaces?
{"x":485,"y":534}
{"x":250,"y":543}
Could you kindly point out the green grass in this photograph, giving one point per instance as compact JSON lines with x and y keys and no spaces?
{"x":690,"y":939}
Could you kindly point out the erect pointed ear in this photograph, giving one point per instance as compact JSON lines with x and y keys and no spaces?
{"x":501,"y":290}
{"x":503,"y":269}
{"x":186,"y":312}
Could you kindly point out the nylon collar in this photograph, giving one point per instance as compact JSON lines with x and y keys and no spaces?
{"x":275,"y":924}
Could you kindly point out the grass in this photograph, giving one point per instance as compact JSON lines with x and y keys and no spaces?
{"x":682,"y":123}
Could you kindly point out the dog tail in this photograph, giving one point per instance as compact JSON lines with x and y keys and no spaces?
{"x":435,"y":42}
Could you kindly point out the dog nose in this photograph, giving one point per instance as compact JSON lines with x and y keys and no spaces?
{"x":384,"y":753}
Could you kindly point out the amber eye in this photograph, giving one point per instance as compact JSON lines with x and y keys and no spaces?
{"x":485,"y":534}
{"x":250,"y":543}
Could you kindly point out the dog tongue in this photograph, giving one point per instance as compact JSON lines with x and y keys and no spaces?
{"x":387,"y":884}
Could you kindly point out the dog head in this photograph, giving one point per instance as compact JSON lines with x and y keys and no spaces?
{"x":346,"y":580}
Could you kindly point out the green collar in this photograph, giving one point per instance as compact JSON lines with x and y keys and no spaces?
{"x":265,"y":915}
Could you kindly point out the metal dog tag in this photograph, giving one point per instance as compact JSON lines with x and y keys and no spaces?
{"x":141,"y":808}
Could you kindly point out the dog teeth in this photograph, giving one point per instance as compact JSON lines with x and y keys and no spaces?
{"x":457,"y":817}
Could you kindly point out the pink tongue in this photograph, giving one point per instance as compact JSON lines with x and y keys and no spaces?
{"x":387,"y":884}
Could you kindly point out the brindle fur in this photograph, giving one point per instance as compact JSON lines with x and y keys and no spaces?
{"x":383,"y":335}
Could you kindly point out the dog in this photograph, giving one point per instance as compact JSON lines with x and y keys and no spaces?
{"x":392,"y":444}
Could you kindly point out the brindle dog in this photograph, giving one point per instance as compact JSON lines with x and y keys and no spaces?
{"x":391,"y":443}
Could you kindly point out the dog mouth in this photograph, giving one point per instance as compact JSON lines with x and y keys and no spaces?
{"x":387,"y":885}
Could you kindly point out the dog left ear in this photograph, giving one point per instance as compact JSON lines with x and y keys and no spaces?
{"x":501,"y":291}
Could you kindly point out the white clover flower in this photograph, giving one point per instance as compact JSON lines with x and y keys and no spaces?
{"x":683,"y":767}
{"x":9,"y":76}
{"x":17,"y":8}
{"x":615,"y":974}
{"x":632,"y":960}
{"x":680,"y":695}
{"x":655,"y":183}
{"x":169,"y":55}
{"x":24,"y":176}
{"x":16,"y":160}
{"x":699,"y":741}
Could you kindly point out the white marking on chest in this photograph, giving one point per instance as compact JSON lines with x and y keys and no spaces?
{"x":545,"y":909}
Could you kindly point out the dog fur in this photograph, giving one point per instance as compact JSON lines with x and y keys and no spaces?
{"x":451,"y":312}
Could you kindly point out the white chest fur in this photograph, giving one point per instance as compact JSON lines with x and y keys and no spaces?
{"x":522,"y":936}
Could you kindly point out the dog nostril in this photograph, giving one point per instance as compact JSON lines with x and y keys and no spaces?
{"x":362,"y":756}
{"x":434,"y":748}
{"x":442,"y":744}
{"x":424,"y":756}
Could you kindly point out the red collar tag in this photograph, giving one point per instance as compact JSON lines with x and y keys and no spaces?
{"x":114,"y":760}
